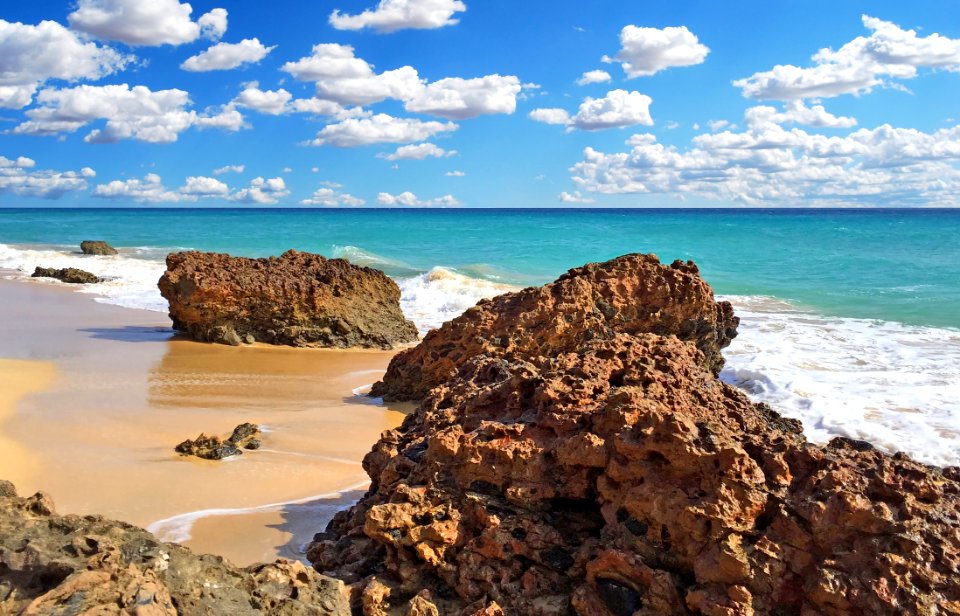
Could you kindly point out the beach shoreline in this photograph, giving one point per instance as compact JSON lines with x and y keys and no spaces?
{"x":104,"y":394}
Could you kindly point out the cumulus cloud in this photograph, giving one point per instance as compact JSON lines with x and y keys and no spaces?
{"x":148,"y":190}
{"x":18,"y":177}
{"x":866,"y":62}
{"x":343,"y":78}
{"x":330,"y":197}
{"x":262,"y":192}
{"x":419,"y":151}
{"x":574,"y":197}
{"x":380,"y":128}
{"x":265,"y":101}
{"x":617,"y":109}
{"x":204,"y":187}
{"x":30,"y":55}
{"x":226,"y":56}
{"x":795,"y":112}
{"x":130,"y":113}
{"x":597,"y":76}
{"x":409,"y":199}
{"x":455,"y":174}
{"x":139,"y":23}
{"x":647,"y":51}
{"x":229,"y":169}
{"x":767,"y":164}
{"x":393,"y":15}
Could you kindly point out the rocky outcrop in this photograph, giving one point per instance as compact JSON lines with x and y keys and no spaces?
{"x":97,"y":247}
{"x":619,"y":476}
{"x":297,"y":299}
{"x":631,"y":294}
{"x":53,"y":564}
{"x":70,"y":275}
{"x":244,"y":436}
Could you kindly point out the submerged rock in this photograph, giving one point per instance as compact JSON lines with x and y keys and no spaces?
{"x":297,"y":299}
{"x":53,"y":564}
{"x":97,"y":247}
{"x":630,"y":294}
{"x":244,"y":436}
{"x":619,"y":476}
{"x":69,"y":275}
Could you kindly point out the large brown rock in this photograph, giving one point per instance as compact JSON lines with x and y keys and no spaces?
{"x":621,"y":477}
{"x":53,"y":564}
{"x":70,"y":275}
{"x":297,"y":299}
{"x":97,"y":247}
{"x":630,"y":294}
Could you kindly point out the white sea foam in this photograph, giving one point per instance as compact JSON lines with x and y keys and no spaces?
{"x":441,"y":294}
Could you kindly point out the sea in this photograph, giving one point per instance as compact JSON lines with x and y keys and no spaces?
{"x":850,"y":318}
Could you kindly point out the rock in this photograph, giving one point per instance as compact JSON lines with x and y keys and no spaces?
{"x":97,"y":247}
{"x":69,"y":275}
{"x":620,"y":476}
{"x":245,"y":436}
{"x":53,"y":564}
{"x":297,"y":299}
{"x":630,"y":294}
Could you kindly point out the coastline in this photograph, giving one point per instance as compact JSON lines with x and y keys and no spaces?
{"x":117,"y":391}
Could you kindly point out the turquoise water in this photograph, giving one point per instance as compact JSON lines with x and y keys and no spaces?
{"x":897,"y":265}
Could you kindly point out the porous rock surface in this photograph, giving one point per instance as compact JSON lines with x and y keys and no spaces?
{"x":70,"y":275}
{"x":631,"y":294}
{"x":68,"y":564}
{"x":618,"y":476}
{"x":297,"y":299}
{"x":244,"y":436}
{"x":97,"y":247}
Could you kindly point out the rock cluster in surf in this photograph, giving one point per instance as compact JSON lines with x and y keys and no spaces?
{"x":244,"y":436}
{"x":297,"y":299}
{"x":97,"y":247}
{"x":70,"y":275}
{"x":69,"y":564}
{"x":617,"y":475}
{"x":631,"y":294}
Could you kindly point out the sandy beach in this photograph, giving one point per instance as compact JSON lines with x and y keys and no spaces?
{"x":95,"y":397}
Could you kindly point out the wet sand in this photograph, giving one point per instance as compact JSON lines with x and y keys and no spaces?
{"x":107,"y":393}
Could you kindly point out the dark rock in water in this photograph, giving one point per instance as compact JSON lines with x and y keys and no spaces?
{"x":296,"y":299}
{"x":69,"y":275}
{"x":631,"y":294}
{"x":245,"y":436}
{"x":97,"y":247}
{"x":53,"y":564}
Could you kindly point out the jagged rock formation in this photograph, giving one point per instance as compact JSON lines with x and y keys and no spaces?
{"x":619,"y":476}
{"x":244,"y":436}
{"x":97,"y":247}
{"x":53,"y":564}
{"x":297,"y":299}
{"x":631,"y":294}
{"x":70,"y":275}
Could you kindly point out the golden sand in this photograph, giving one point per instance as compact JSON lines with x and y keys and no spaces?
{"x":99,"y":436}
{"x":18,"y":379}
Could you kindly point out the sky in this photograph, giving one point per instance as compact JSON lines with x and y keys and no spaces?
{"x":463,"y":103}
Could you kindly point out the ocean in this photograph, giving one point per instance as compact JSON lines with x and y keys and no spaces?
{"x":850,"y":318}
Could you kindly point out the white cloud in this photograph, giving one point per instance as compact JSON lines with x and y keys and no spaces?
{"x":419,"y":151}
{"x":262,"y":192}
{"x":795,"y":112}
{"x":229,"y":169}
{"x":617,"y":109}
{"x":459,"y":99}
{"x":409,"y":199}
{"x":597,"y":76}
{"x":393,"y":15}
{"x":204,"y":187}
{"x":226,"y":56}
{"x":380,"y":128}
{"x":647,"y":51}
{"x":716,"y":125}
{"x":18,"y":177}
{"x":889,"y":52}
{"x":330,"y":197}
{"x":137,"y":22}
{"x":316,"y":106}
{"x":769,"y":165}
{"x":148,"y":190}
{"x":287,"y":170}
{"x":271,"y":102}
{"x":30,"y":55}
{"x":455,"y":174}
{"x":574,"y":197}
{"x":130,"y":113}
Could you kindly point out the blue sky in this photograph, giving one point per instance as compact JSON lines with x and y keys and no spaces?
{"x":439,"y":103}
